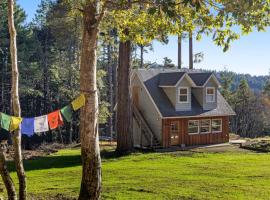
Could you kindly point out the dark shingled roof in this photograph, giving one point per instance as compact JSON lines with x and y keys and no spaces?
{"x":199,"y":78}
{"x":151,"y":79}
{"x":170,"y":79}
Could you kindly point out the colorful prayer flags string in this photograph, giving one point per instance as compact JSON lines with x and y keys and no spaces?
{"x":44,"y":123}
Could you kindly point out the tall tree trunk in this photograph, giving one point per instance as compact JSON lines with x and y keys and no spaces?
{"x":16,"y":102}
{"x":110,"y":83}
{"x":190,"y":51}
{"x":46,"y":75}
{"x":123,"y":122}
{"x":142,"y":52}
{"x":179,"y":51}
{"x":10,"y":187}
{"x":91,"y":161}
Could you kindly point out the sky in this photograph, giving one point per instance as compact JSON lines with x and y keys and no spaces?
{"x":249,"y":54}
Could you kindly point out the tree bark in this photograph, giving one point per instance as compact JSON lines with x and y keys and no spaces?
{"x":190,"y":51}
{"x":179,"y":51}
{"x":142,"y":55}
{"x":6,"y":177}
{"x":110,"y":91}
{"x":90,"y":152}
{"x":123,"y":123}
{"x":16,"y":137}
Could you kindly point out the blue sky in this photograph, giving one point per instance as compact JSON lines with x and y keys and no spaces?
{"x":247,"y":55}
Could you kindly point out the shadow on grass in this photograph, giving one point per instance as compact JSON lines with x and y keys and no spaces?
{"x":65,"y":161}
{"x":49,"y":162}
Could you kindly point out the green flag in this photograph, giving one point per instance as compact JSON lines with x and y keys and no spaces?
{"x":67,"y":113}
{"x":5,"y":121}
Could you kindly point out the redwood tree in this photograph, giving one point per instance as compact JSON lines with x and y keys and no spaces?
{"x":124,"y":114}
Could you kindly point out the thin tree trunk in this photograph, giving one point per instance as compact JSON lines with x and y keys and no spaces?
{"x":190,"y":51}
{"x":142,"y":52}
{"x":90,"y":152}
{"x":6,"y":177}
{"x":16,"y":102}
{"x":123,"y":122}
{"x":179,"y":51}
{"x":110,"y":83}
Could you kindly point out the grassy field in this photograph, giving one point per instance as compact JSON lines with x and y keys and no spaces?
{"x":181,"y":175}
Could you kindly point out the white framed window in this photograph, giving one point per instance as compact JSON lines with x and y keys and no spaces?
{"x":193,"y":127}
{"x":205,"y":126}
{"x":216,"y":125}
{"x":183,"y":95}
{"x":210,"y":94}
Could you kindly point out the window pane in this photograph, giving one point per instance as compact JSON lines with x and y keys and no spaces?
{"x":193,"y":129}
{"x":183,"y":98}
{"x":193,"y":126}
{"x":216,"y":128}
{"x":216,"y":122}
{"x":205,"y":122}
{"x":205,"y":129}
{"x":193,"y":123}
{"x":183,"y":91}
{"x":216,"y":125}
{"x":210,"y":91}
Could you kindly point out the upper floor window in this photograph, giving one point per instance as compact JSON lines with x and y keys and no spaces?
{"x":183,"y":95}
{"x":210,"y":94}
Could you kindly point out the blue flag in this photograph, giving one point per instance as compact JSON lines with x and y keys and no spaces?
{"x":27,"y":126}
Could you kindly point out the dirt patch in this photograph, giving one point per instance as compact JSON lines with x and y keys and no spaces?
{"x":220,"y":149}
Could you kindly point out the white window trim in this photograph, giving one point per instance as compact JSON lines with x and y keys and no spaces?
{"x":178,"y":97}
{"x":198,"y":130}
{"x":214,"y":99}
{"x":210,"y":126}
{"x":221,"y":126}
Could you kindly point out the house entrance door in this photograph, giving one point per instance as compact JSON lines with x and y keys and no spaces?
{"x":175,"y":133}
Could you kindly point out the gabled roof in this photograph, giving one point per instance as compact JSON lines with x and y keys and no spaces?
{"x":151,"y":79}
{"x":200,"y":78}
{"x":170,"y":78}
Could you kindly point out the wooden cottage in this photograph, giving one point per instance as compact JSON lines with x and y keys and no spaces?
{"x":177,"y":108}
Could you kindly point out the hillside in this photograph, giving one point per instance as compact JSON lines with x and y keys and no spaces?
{"x":256,"y":83}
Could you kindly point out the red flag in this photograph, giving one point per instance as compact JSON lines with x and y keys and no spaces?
{"x":55,"y":119}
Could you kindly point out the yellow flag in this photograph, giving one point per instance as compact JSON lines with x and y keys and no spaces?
{"x":78,"y":103}
{"x":15,"y":123}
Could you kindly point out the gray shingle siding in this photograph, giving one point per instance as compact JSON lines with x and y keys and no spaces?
{"x":148,"y":109}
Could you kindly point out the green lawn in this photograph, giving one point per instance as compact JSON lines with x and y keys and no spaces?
{"x":186,"y":175}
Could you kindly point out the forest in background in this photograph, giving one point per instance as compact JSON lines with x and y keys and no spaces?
{"x":49,"y":52}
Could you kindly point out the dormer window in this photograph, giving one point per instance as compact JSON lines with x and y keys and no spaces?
{"x":183,"y":95}
{"x":210,"y":94}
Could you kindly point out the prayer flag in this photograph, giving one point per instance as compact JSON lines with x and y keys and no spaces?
{"x":5,"y":121}
{"x":55,"y":119}
{"x":67,"y":113}
{"x":27,"y":126}
{"x":15,"y":123}
{"x":78,"y":103}
{"x":41,"y":124}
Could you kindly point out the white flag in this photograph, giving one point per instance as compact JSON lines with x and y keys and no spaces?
{"x":41,"y":124}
